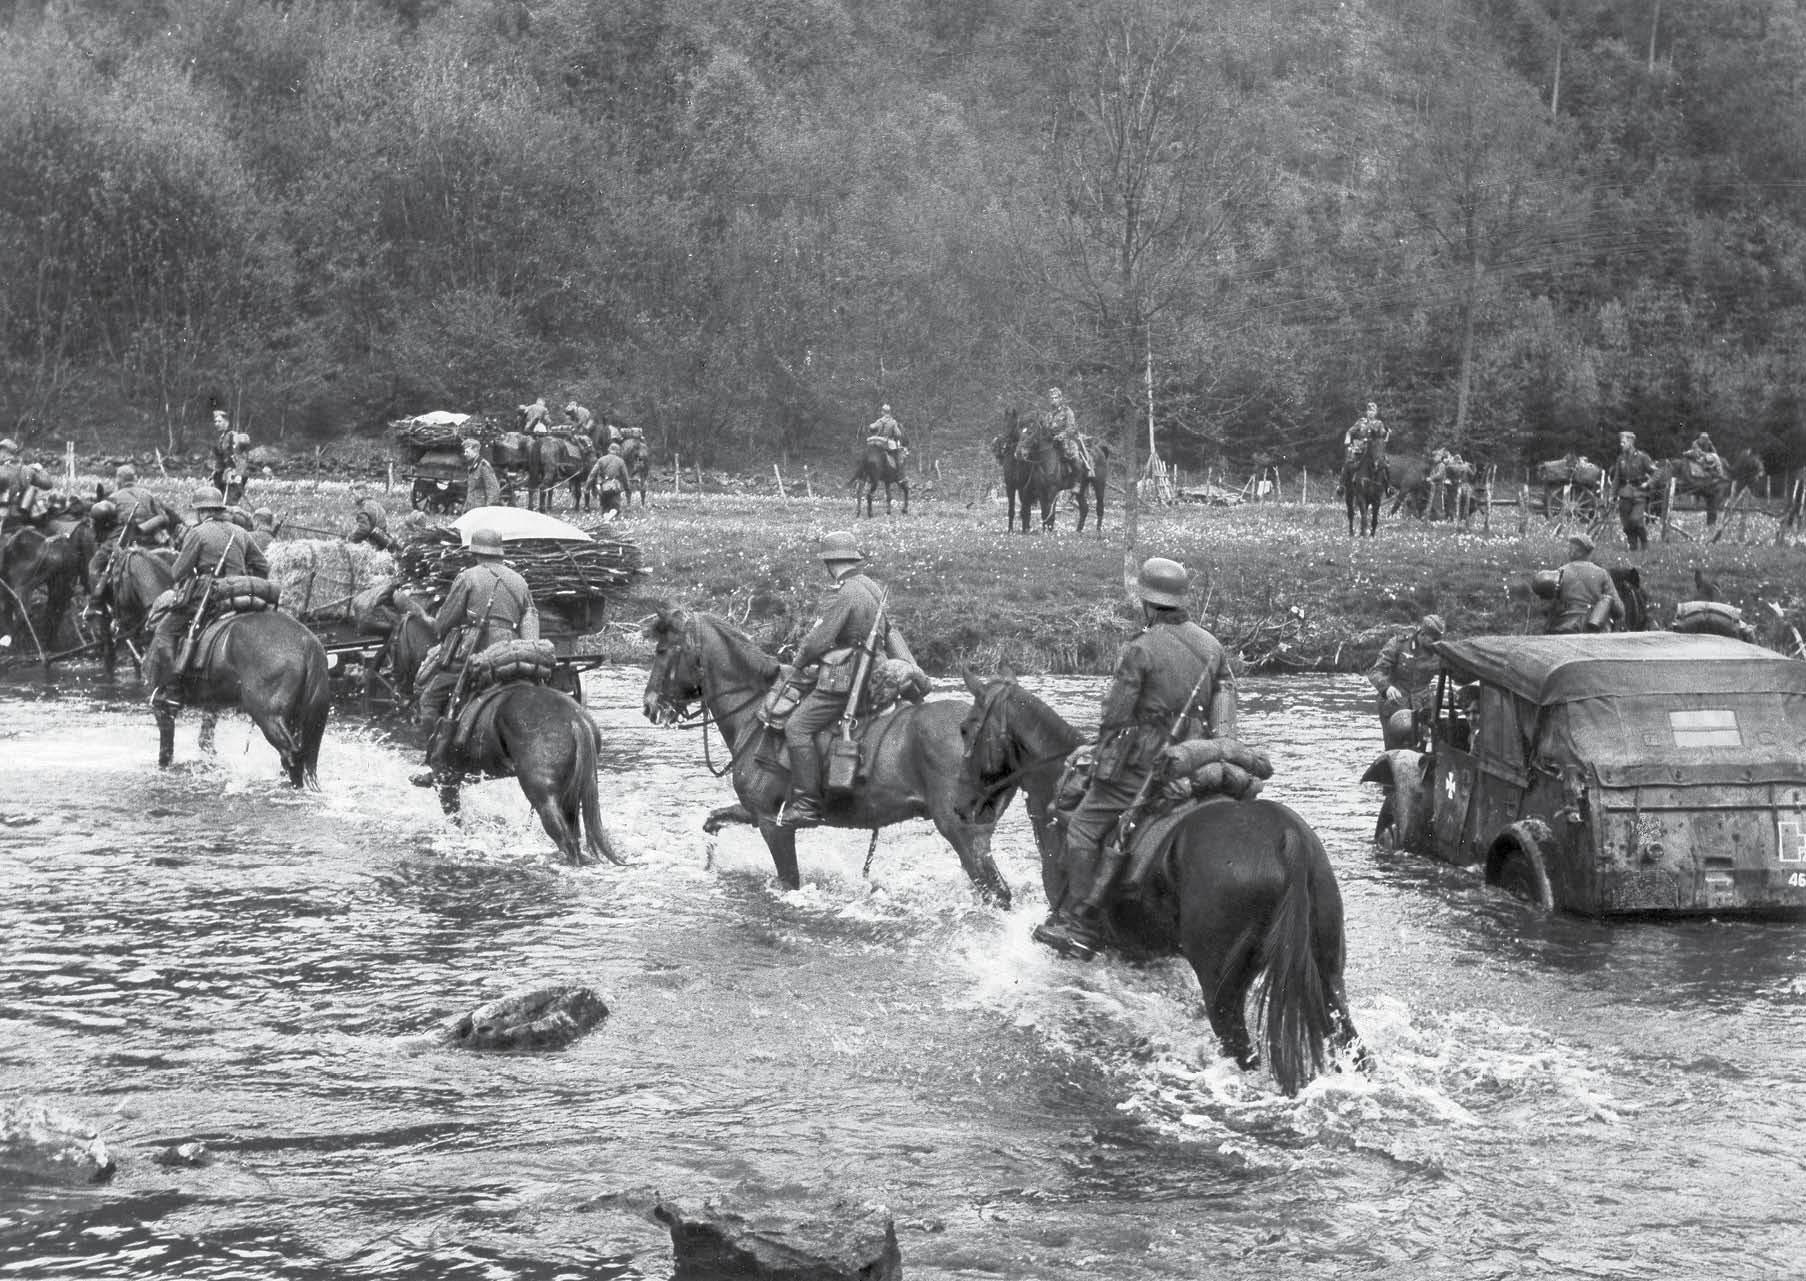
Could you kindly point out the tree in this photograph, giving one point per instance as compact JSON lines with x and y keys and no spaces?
{"x":1154,"y":165}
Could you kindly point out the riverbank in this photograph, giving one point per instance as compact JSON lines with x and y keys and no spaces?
{"x":1281,"y":583}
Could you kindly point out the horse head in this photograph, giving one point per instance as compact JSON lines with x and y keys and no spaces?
{"x":987,"y":754}
{"x":674,"y":683}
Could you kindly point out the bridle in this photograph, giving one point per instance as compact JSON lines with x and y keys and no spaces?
{"x":987,"y":706}
{"x":681,"y":717}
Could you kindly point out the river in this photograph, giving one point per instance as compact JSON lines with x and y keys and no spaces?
{"x":203,"y":955}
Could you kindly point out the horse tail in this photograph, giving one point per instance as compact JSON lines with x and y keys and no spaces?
{"x":316,"y":706}
{"x":586,"y":748}
{"x":1294,"y":997}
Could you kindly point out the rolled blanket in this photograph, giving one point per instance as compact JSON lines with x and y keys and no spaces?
{"x":895,"y":680}
{"x":237,"y":593}
{"x":512,"y":660}
{"x":1186,"y":759}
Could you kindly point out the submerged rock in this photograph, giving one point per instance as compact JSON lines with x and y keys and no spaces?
{"x":41,"y":1145}
{"x":546,"y":1018}
{"x":714,"y":1241}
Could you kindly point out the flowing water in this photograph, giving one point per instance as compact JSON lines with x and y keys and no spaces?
{"x":202,"y":955}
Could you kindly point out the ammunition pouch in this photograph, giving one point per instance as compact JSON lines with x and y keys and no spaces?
{"x":834,"y":675}
{"x":786,"y":694}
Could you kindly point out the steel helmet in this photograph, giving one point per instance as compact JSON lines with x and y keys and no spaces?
{"x":125,"y":473}
{"x":1544,"y":582}
{"x":486,"y":542}
{"x":840,"y":545}
{"x":207,"y":497}
{"x":884,"y":409}
{"x":103,"y":510}
{"x":262,"y":514}
{"x":1163,"y":582}
{"x":10,"y":445}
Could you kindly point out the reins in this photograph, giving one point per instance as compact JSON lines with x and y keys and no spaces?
{"x":995,"y":788}
{"x":703,"y":715}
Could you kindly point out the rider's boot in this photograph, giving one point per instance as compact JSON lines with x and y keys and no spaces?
{"x":438,"y":747}
{"x":803,"y":809}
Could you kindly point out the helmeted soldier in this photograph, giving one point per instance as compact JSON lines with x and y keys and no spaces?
{"x":488,"y":603}
{"x":1171,"y":671}
{"x":536,"y":418}
{"x":580,"y":419}
{"x":371,"y":520}
{"x":143,"y":517}
{"x":1586,"y":599}
{"x":215,"y":548}
{"x":887,"y":432}
{"x":1368,"y":435}
{"x":481,"y":487}
{"x":610,"y":480}
{"x":848,"y":612}
{"x":1404,"y":678}
{"x":1634,"y":470}
{"x":263,"y":528}
{"x":24,"y":487}
{"x":1063,"y":425}
{"x":1704,"y":456}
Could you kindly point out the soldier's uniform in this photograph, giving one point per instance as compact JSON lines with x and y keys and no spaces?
{"x":481,"y":486}
{"x":214,"y":548}
{"x":143,"y":517}
{"x":372,"y":523}
{"x":1408,"y":664}
{"x":611,"y":479}
{"x":848,"y":611}
{"x":1586,"y":599}
{"x":1368,"y":434}
{"x":1634,"y":470}
{"x":24,"y":488}
{"x":580,"y":418}
{"x":887,"y":430}
{"x":1156,"y":674}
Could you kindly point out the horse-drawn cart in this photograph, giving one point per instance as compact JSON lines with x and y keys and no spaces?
{"x":430,"y":448}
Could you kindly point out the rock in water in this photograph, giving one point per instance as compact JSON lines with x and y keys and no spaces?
{"x":39,"y":1145}
{"x":713,"y":1241}
{"x":546,"y":1018}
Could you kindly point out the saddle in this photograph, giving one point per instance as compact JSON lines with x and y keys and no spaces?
{"x":475,"y":721}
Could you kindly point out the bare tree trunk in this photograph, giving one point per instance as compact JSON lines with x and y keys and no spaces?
{"x":1465,"y":382}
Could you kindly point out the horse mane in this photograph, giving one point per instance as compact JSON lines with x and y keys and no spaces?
{"x":767,"y":664}
{"x":1041,"y":720}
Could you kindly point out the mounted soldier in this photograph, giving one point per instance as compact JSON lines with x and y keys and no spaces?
{"x":887,"y":434}
{"x":213,"y":549}
{"x":1368,"y":435}
{"x":1060,"y":424}
{"x":1171,"y":673}
{"x":1705,"y":459}
{"x":536,"y":419}
{"x":582,"y":421}
{"x":488,"y":603}
{"x":852,"y":622}
{"x":144,"y":519}
{"x":24,"y":489}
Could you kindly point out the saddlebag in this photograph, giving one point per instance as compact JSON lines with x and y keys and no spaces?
{"x":789,"y":690}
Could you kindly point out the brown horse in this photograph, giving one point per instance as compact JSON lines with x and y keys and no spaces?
{"x":546,"y":742}
{"x":124,"y":591}
{"x":1364,"y":490}
{"x":1246,"y":891}
{"x":878,"y":466}
{"x":53,"y":559}
{"x":266,"y":664}
{"x":558,"y":460}
{"x":1039,"y":479}
{"x":639,"y":465}
{"x":912,"y":755}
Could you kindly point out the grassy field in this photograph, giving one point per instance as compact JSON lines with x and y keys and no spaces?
{"x":1281,"y":583}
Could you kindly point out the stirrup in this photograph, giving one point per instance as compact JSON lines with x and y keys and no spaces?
{"x":798,"y":814}
{"x":1058,"y":934}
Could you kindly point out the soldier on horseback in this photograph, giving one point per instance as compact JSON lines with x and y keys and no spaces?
{"x":24,"y":488}
{"x":536,"y":419}
{"x":1368,"y":435}
{"x":887,"y":434}
{"x":1707,"y":463}
{"x":144,"y":519}
{"x":1171,"y":672}
{"x":850,"y":619}
{"x":582,"y":421}
{"x":216,"y":548}
{"x":488,"y":603}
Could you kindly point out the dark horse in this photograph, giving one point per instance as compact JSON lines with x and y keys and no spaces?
{"x":264,"y":663}
{"x":545,"y":741}
{"x":1363,"y":490}
{"x":639,"y":466}
{"x":912,"y":755}
{"x":1246,"y":891}
{"x":557,"y":460}
{"x":878,"y":466}
{"x":1039,"y":479}
{"x":54,"y":559}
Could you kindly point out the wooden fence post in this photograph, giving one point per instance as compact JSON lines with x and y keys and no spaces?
{"x":1668,"y":511}
{"x":779,"y":477}
{"x":677,"y":473}
{"x":808,"y":487}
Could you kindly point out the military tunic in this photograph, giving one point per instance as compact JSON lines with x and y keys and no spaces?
{"x":1580,"y":586}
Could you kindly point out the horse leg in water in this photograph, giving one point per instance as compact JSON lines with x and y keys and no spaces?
{"x":555,"y":766}
{"x":720,"y":818}
{"x":973,"y":845}
{"x":781,"y":841}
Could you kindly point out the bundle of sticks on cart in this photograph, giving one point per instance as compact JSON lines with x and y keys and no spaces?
{"x":552,"y":567}
{"x":419,"y":436}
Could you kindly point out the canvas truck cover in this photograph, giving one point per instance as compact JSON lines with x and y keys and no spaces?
{"x":1557,"y":669}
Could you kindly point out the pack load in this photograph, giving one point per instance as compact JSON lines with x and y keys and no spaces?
{"x":1711,"y":618}
{"x":242,"y":593}
{"x":322,"y":578}
{"x":514,"y":660}
{"x":1214,"y":767}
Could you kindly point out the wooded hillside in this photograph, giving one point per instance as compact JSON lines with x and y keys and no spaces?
{"x":1519,"y":225}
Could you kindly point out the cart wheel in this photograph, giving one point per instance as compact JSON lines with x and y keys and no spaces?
{"x":1385,"y":829}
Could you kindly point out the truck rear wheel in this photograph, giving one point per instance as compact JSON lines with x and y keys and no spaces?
{"x":1520,"y":873}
